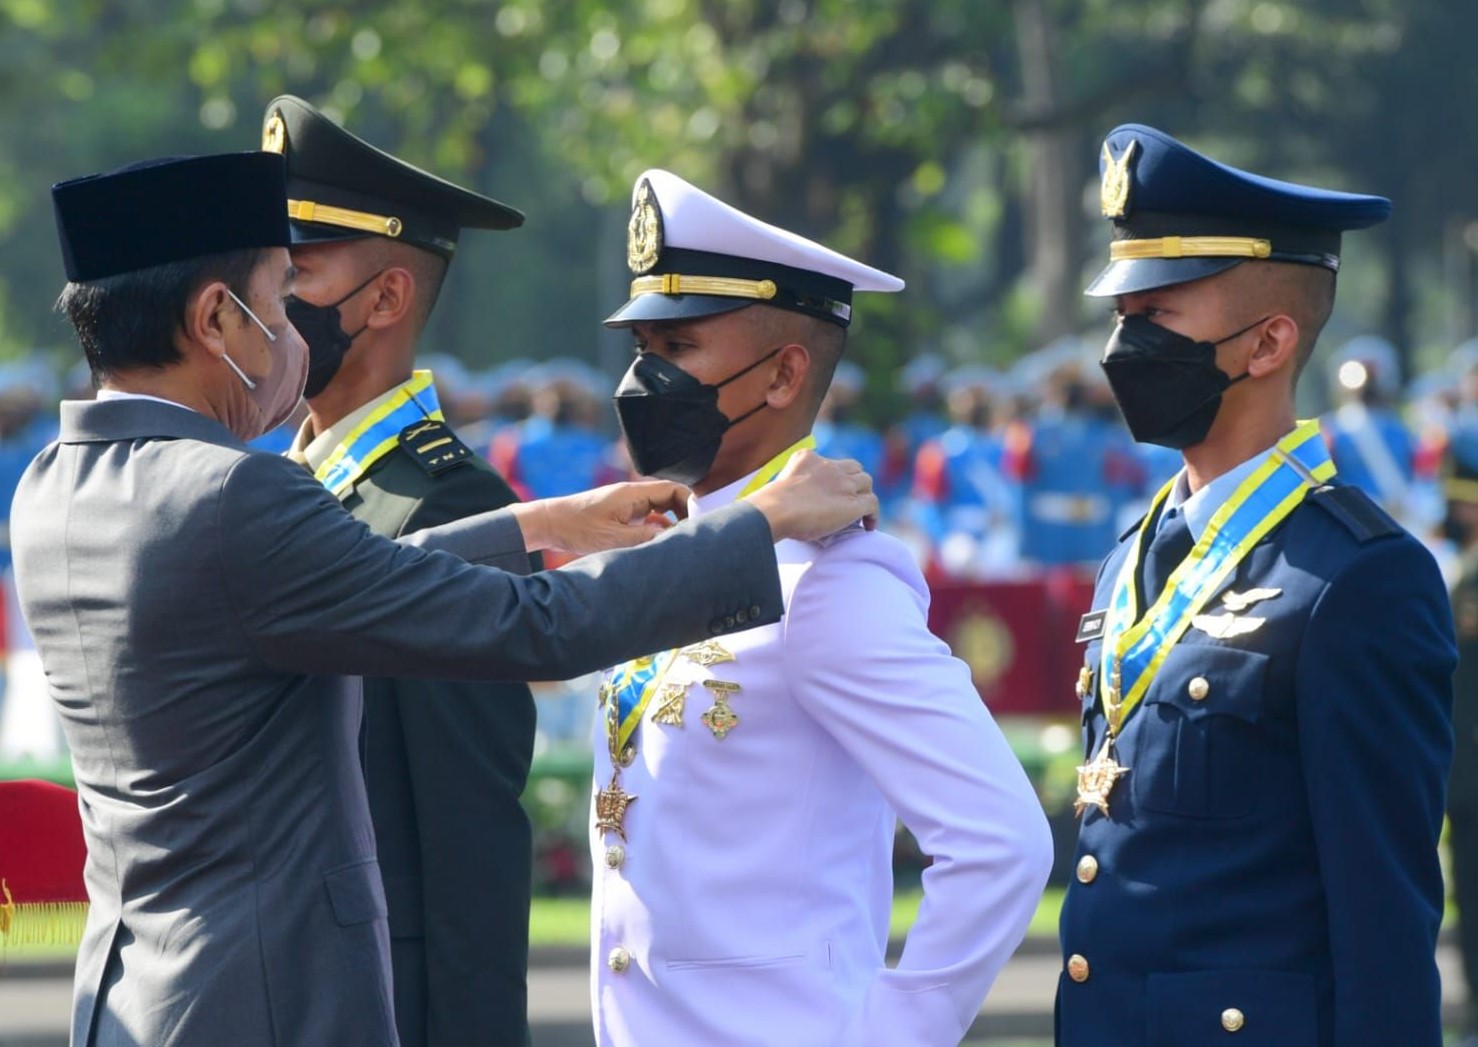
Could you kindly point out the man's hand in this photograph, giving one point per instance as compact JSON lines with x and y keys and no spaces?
{"x":610,"y":517}
{"x":814,"y":497}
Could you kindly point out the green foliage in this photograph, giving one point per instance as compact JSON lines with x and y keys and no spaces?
{"x":881,"y":126}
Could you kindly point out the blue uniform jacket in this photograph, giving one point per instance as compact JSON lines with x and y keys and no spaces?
{"x":1271,"y":858}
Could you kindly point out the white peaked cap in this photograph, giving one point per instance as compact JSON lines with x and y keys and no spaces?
{"x":694,"y":255}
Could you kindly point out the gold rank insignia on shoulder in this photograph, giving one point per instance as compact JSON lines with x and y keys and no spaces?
{"x":433,"y":446}
{"x":1113,"y":193}
{"x":1226,"y":626}
{"x":709,"y":652}
{"x":644,"y":231}
{"x":274,"y":134}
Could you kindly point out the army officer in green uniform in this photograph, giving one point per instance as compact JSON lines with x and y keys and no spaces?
{"x":372,"y":240}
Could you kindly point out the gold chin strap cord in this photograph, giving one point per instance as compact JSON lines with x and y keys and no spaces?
{"x":308,"y":211}
{"x":673,"y":283}
{"x":1190,"y":247}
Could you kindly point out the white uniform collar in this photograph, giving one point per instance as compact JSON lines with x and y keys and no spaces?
{"x":732,"y":492}
{"x":699,"y":504}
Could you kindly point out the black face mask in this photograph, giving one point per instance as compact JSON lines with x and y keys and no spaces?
{"x":671,"y":421}
{"x":327,"y":340}
{"x":1168,"y":386}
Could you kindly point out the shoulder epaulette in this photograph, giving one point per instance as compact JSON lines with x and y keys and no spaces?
{"x":1355,"y":509}
{"x":433,"y":446}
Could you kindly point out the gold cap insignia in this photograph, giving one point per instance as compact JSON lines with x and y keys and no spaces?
{"x":644,"y":232}
{"x":1113,"y":195}
{"x":274,"y":134}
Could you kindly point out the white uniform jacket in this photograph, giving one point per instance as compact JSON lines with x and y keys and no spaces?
{"x":750,"y":898}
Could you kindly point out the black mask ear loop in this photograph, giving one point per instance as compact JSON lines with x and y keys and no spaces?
{"x":740,"y":374}
{"x":351,"y":294}
{"x":1239,"y":334}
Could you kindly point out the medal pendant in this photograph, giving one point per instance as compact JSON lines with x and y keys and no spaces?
{"x":610,"y":807}
{"x":720,"y":719}
{"x":671,"y":701}
{"x":613,"y":732}
{"x":1113,"y":702}
{"x":1096,"y":780}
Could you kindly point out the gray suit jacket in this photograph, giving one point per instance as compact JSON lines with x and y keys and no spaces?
{"x":200,"y":610}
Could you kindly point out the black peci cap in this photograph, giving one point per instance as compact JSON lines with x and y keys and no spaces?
{"x":169,"y":210}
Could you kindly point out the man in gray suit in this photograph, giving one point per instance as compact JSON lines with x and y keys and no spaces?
{"x":198,"y":608}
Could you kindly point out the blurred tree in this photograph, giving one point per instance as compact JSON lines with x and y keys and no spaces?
{"x":948,"y":140}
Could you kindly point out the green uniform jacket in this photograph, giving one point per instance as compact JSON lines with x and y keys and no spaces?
{"x":445,"y":763}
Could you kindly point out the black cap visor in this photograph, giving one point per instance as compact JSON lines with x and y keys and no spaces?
{"x":658,"y":306}
{"x":315,"y":233}
{"x":1130,"y":275}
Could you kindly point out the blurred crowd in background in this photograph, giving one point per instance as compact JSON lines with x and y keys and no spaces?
{"x":988,"y":475}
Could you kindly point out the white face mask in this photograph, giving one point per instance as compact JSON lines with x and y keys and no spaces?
{"x":276,"y":395}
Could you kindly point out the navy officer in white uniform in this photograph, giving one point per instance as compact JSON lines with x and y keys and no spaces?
{"x":1267,"y":685}
{"x":748,"y":787}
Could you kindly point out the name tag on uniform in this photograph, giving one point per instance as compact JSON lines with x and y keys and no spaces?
{"x":1090,"y":626}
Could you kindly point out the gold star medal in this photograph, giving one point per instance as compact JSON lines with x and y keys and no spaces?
{"x":1096,"y":780}
{"x":720,"y":719}
{"x":610,"y":807}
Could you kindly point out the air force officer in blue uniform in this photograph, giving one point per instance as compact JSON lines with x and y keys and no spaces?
{"x":1267,"y":675}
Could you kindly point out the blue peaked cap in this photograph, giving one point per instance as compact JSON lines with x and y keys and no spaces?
{"x":1180,"y":216}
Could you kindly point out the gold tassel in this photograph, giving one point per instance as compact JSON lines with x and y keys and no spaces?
{"x":40,"y":923}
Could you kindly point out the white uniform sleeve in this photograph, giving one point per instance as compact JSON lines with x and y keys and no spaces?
{"x":861,"y":660}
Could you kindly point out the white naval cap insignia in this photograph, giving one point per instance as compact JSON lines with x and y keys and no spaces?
{"x":644,"y":231}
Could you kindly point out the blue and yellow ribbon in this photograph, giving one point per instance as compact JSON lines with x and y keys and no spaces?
{"x":1134,"y":651}
{"x":632,"y":685}
{"x":379,"y":433}
{"x":773,"y":467}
